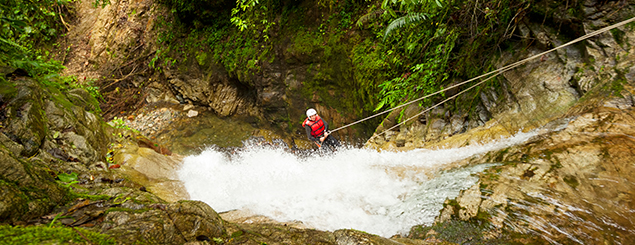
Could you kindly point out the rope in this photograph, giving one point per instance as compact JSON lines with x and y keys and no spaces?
{"x":495,"y":72}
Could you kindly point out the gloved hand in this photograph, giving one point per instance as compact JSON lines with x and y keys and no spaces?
{"x":326,"y":134}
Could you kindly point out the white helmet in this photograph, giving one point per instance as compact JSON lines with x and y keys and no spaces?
{"x":310,"y":112}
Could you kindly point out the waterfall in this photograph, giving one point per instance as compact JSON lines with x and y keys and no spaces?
{"x":383,"y":193}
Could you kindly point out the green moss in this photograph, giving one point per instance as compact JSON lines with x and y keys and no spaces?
{"x":618,"y":35}
{"x":237,"y":234}
{"x":18,"y":198}
{"x":472,"y":232}
{"x":571,"y":181}
{"x":7,"y":89}
{"x":453,"y":203}
{"x":489,"y":176}
{"x":501,"y":155}
{"x":51,"y":235}
{"x":483,"y":216}
{"x":305,"y":42}
{"x":127,"y":210}
{"x":419,"y":231}
{"x":617,"y":85}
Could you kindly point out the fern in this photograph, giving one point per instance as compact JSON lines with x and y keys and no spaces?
{"x":369,"y":17}
{"x":400,"y":22}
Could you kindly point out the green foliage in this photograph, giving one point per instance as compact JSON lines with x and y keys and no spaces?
{"x":24,"y":27}
{"x":403,"y":50}
{"x":201,"y":57}
{"x":118,"y":122}
{"x":64,"y":177}
{"x":405,"y":20}
{"x":99,"y":3}
{"x":254,"y":15}
{"x":240,"y":14}
{"x":240,"y":53}
{"x":27,"y":27}
{"x":424,"y":77}
{"x":51,"y":235}
{"x":305,"y":42}
{"x":71,"y":82}
{"x":370,"y":66}
{"x":218,"y":240}
{"x":198,"y":12}
{"x":413,"y":12}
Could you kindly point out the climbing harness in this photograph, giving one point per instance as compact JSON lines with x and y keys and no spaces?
{"x":495,"y":73}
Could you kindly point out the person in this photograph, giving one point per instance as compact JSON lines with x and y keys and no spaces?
{"x":317,"y":130}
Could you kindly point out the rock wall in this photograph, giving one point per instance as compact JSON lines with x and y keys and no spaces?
{"x":121,"y":184}
{"x":43,"y":132}
{"x":47,"y":134}
{"x":529,"y":96}
{"x":571,"y":185}
{"x":119,"y":43}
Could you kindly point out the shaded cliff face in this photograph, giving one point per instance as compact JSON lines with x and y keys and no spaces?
{"x":39,"y":131}
{"x":529,"y":96}
{"x":140,"y":52}
{"x":570,"y":185}
{"x":54,"y":171}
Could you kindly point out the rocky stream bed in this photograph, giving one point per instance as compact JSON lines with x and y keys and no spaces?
{"x":579,"y":168}
{"x":63,"y":168}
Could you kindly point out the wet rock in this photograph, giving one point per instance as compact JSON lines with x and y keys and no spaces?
{"x":28,"y":166}
{"x":195,"y":219}
{"x":154,"y":226}
{"x":25,"y":124}
{"x":192,"y":113}
{"x":277,"y":234}
{"x":82,"y":98}
{"x":469,"y":200}
{"x":223,"y":98}
{"x":155,"y":171}
{"x":11,"y":145}
{"x":158,"y":93}
{"x":569,"y":185}
{"x":531,"y":95}
{"x":353,"y":237}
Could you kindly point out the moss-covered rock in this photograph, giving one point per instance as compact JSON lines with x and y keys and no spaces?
{"x":27,"y":190}
{"x":277,"y":234}
{"x":25,"y":121}
{"x":51,"y":235}
{"x":175,"y":223}
{"x":42,"y":133}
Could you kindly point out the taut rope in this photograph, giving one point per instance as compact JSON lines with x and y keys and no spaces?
{"x":495,"y":72}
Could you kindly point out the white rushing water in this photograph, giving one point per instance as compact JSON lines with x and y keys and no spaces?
{"x":383,"y":193}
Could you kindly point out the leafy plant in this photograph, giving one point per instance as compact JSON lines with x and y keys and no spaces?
{"x":424,"y":77}
{"x":118,"y":122}
{"x":64,"y":177}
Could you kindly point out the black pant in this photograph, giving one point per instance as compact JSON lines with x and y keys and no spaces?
{"x":330,"y":142}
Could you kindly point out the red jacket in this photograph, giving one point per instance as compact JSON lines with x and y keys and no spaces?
{"x":317,"y":126}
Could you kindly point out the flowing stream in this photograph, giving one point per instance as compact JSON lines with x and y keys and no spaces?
{"x":383,"y":193}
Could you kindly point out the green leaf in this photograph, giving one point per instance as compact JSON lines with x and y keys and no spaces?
{"x":68,"y":178}
{"x":380,"y":105}
{"x":408,"y":19}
